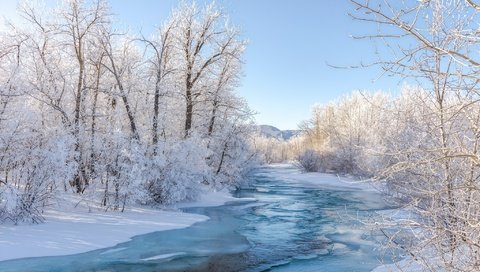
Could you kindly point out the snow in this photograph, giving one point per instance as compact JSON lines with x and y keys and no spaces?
{"x":212,"y":199}
{"x":405,"y":265}
{"x":164,"y":256}
{"x":76,"y":230}
{"x":290,"y":173}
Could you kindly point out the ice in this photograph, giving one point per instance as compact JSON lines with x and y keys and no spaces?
{"x":164,"y":256}
{"x":113,"y":250}
{"x":290,"y":227}
{"x":76,"y":230}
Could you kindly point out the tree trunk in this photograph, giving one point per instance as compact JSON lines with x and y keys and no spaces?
{"x":222,"y":158}
{"x":131,"y":118}
{"x":93,"y":126}
{"x":189,"y":112}
{"x":212,"y":118}
{"x":79,"y":178}
{"x":155,"y":116}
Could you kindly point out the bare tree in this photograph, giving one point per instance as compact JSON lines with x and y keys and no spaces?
{"x":81,"y":22}
{"x":226,"y":80}
{"x":79,"y":102}
{"x":121,"y":61}
{"x":432,"y":42}
{"x":203,"y":38}
{"x":161,"y":61}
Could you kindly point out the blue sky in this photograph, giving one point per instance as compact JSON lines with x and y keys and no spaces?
{"x":290,"y":44}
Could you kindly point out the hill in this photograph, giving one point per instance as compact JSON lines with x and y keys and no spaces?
{"x":273,"y":132}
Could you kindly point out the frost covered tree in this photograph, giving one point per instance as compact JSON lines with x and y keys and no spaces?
{"x":204,"y":40}
{"x":115,"y":117}
{"x":272,"y":150}
{"x":434,"y":159}
{"x":343,"y":133}
{"x":161,"y":67}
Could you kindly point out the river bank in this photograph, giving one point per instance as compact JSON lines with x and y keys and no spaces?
{"x":79,"y":229}
{"x":299,"y":222}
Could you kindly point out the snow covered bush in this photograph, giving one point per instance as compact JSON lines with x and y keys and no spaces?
{"x":8,"y":204}
{"x":230,"y":158}
{"x":309,"y":161}
{"x":33,"y":177}
{"x":347,"y":134}
{"x":181,"y":173}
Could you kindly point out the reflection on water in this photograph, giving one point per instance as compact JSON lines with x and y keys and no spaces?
{"x":289,"y":228}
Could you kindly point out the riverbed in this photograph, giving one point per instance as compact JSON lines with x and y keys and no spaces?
{"x":298,"y":222}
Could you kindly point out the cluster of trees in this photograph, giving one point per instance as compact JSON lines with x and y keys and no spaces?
{"x":422,"y":142}
{"x":119,"y":118}
{"x":274,"y":150}
{"x":341,"y":136}
{"x":432,"y":165}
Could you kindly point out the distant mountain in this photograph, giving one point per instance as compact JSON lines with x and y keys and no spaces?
{"x":273,"y":132}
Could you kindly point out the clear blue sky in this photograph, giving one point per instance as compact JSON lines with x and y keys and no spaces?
{"x":291,"y":42}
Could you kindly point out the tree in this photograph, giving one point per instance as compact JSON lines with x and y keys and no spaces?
{"x":80,"y":23}
{"x":203,"y":38}
{"x":161,"y":61}
{"x":121,"y":64}
{"x":431,"y":42}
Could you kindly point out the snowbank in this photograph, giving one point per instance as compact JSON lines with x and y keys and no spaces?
{"x":76,"y":230}
{"x":405,"y":265}
{"x":291,"y":173}
{"x":212,"y":199}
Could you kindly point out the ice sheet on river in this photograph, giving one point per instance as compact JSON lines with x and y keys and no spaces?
{"x":290,"y":173}
{"x":300,"y":222}
{"x":75,"y":230}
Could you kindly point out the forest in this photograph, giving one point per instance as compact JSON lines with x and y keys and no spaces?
{"x":117,"y":117}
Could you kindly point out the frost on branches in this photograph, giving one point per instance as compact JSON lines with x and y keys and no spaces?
{"x":118,"y":118}
{"x":421,"y":143}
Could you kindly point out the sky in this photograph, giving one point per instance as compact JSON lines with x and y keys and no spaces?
{"x":293,"y":45}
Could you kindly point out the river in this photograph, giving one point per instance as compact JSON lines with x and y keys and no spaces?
{"x":292,"y":226}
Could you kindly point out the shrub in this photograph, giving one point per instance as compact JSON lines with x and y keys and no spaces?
{"x":309,"y":161}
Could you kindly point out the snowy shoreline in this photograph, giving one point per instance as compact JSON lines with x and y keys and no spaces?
{"x":313,"y":178}
{"x":77,"y":230}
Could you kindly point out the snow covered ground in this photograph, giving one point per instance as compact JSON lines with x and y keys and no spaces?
{"x":76,"y":230}
{"x":324,"y":180}
{"x":405,"y":265}
{"x":294,"y":175}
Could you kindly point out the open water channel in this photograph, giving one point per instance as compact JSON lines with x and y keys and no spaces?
{"x":291,"y":226}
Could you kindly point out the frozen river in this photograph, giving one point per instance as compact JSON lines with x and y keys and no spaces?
{"x":293,"y":226}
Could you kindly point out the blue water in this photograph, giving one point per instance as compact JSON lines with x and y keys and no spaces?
{"x":289,"y":228}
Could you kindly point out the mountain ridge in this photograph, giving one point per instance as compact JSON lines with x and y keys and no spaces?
{"x":269,"y":131}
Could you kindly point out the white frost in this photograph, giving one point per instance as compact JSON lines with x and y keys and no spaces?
{"x":76,"y":230}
